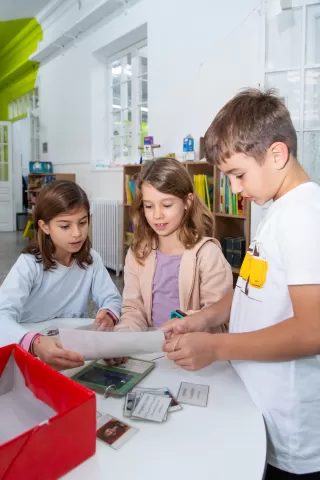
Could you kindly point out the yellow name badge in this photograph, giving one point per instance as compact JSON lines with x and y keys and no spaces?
{"x":245,"y":267}
{"x":258,"y":272}
{"x":254,"y":267}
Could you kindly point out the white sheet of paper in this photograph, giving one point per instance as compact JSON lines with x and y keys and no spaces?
{"x":94,"y":345}
{"x":152,"y":407}
{"x":193,"y":394}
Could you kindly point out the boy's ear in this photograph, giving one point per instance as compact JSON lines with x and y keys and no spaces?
{"x":280,"y":155}
{"x":43,"y":227}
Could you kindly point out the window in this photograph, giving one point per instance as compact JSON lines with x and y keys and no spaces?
{"x":28,"y":104}
{"x":128,"y":80}
{"x":292,"y":66}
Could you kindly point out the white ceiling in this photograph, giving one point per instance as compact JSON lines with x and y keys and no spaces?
{"x":14,"y":9}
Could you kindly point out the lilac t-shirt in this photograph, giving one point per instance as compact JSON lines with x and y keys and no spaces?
{"x":165,"y":291}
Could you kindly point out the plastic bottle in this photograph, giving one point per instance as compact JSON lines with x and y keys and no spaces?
{"x":188,"y":148}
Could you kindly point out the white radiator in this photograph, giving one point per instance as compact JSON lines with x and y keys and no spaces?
{"x":107,"y":232}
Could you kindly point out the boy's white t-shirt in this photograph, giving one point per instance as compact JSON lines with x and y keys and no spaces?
{"x":287,"y":248}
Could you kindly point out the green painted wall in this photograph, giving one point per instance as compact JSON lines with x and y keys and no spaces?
{"x":17,"y":73}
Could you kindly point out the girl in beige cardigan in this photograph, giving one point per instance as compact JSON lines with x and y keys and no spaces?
{"x":174,"y":261}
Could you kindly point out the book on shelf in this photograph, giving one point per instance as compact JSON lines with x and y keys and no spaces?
{"x":234,"y":249}
{"x":203,"y":185}
{"x":130,"y":188}
{"x":230,"y":203}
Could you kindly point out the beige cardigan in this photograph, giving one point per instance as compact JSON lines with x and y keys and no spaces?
{"x":204,"y":277}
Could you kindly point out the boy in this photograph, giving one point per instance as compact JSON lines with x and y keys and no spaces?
{"x":275,"y":309}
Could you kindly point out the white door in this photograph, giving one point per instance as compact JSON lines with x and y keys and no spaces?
{"x":6,"y":190}
{"x":21,"y":155}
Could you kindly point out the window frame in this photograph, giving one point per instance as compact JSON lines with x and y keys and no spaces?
{"x":302,"y":67}
{"x":135,"y":103}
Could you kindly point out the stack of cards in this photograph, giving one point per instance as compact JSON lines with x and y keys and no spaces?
{"x":114,"y":432}
{"x":151,"y":404}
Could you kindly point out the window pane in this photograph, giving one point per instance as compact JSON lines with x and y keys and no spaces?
{"x":10,"y":112}
{"x":20,"y":106}
{"x":284,"y":39}
{"x":116,"y":124}
{"x":143,"y":90}
{"x":143,"y":115}
{"x":312,"y":98}
{"x":128,"y":67}
{"x":127,"y":115}
{"x":116,"y":71}
{"x":127,"y":94}
{"x":116,"y":96}
{"x":5,"y":153}
{"x":313,"y":35}
{"x":5,"y":133}
{"x":311,"y":155}
{"x":127,"y":150}
{"x":288,"y":85}
{"x":4,"y":172}
{"x":143,"y":61}
{"x":36,"y":97}
{"x":116,"y":153}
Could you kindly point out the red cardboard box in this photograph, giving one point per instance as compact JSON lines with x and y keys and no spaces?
{"x":47,"y":421}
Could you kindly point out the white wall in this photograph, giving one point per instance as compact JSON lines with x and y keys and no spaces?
{"x":200,"y":54}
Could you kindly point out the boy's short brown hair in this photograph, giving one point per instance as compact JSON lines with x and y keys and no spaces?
{"x":250,"y":123}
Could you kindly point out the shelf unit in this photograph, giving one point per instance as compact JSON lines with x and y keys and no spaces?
{"x":226,"y":225}
{"x":33,"y":192}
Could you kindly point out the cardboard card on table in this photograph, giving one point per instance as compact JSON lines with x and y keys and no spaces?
{"x":114,"y":432}
{"x":152,"y":407}
{"x":174,"y":406}
{"x":193,"y":394}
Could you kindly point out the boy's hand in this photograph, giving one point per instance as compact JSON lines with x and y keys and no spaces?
{"x":188,"y":324}
{"x":51,"y":351}
{"x":104,"y":320}
{"x":192,"y":351}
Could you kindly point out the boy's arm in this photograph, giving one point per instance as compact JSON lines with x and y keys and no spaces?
{"x":295,"y":337}
{"x":205,"y":320}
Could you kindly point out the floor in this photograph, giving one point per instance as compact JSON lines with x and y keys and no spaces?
{"x":11,"y":245}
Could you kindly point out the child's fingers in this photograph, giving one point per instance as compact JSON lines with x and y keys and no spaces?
{"x":68,"y":355}
{"x":64,"y":364}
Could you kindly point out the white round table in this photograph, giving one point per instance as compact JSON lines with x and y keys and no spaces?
{"x":224,"y":441}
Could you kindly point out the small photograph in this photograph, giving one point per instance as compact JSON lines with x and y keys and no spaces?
{"x":115,"y":432}
{"x":174,"y":405}
{"x":129,"y":404}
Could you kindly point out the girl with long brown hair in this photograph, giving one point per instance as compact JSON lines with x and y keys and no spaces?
{"x":174,"y":261}
{"x":54,"y":276}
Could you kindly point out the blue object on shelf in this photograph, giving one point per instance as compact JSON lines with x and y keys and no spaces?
{"x":40,"y":167}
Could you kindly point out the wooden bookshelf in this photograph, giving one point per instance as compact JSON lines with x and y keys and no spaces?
{"x":36,"y":183}
{"x":226,"y":225}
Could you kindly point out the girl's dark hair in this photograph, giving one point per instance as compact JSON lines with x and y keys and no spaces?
{"x":167,"y":175}
{"x":55,"y":199}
